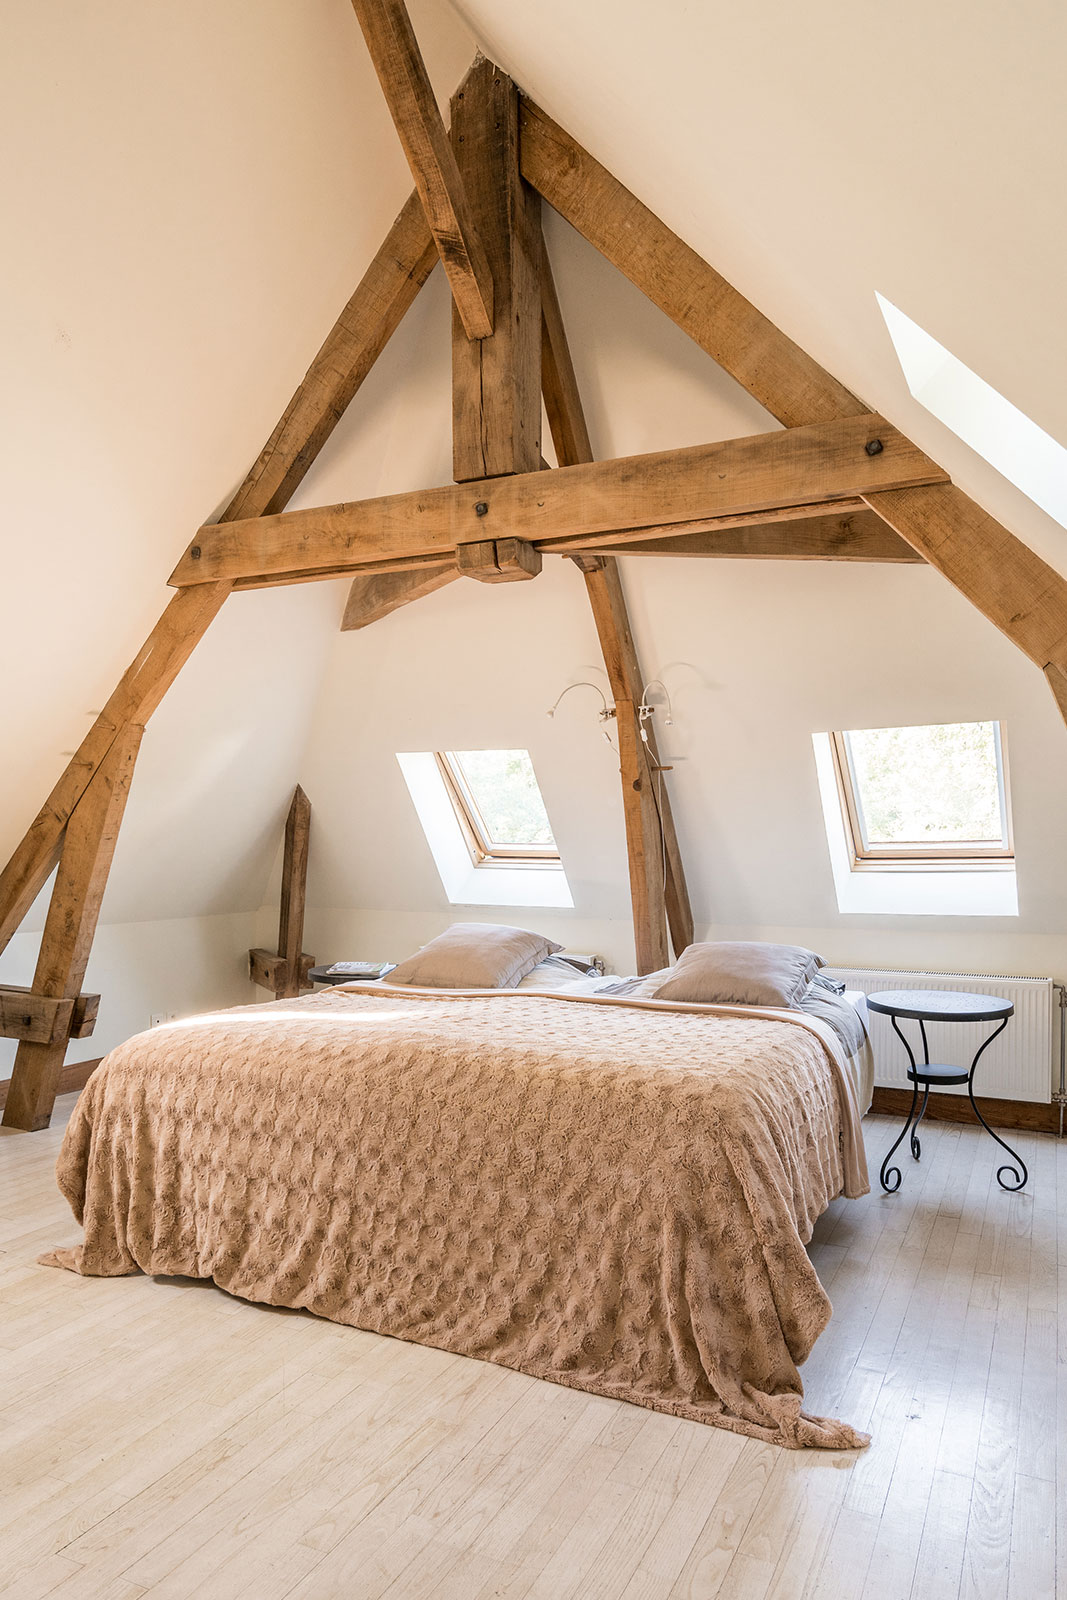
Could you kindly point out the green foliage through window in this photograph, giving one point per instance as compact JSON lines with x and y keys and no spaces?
{"x":499,"y":792}
{"x":935,"y":789}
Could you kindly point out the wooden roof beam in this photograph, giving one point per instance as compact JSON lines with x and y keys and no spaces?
{"x":774,"y":370}
{"x":659,"y":895}
{"x":397,"y":59}
{"x":385,"y":292}
{"x":496,"y":381}
{"x":1021,"y":594}
{"x":749,"y":476}
{"x":378,"y":594}
{"x":848,"y":533}
{"x":70,"y":925}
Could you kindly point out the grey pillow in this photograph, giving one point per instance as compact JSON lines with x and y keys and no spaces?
{"x":741,"y":973}
{"x":474,"y":955}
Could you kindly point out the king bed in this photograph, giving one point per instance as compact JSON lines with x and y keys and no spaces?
{"x":606,"y":1190}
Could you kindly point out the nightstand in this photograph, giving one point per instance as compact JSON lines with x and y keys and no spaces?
{"x":936,"y":1005}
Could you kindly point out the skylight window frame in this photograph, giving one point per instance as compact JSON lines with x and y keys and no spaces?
{"x":915,"y":856}
{"x":485,"y":851}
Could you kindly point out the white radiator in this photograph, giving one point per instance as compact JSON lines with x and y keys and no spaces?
{"x":1019,"y":1066}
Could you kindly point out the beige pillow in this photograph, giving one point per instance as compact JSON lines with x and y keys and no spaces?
{"x":474,"y":955}
{"x":741,"y":973}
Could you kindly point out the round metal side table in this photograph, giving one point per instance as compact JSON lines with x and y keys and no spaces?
{"x":934,"y":1005}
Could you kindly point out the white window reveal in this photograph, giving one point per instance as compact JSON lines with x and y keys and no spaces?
{"x":978,"y":414}
{"x":918,"y":819}
{"x":487,"y":827}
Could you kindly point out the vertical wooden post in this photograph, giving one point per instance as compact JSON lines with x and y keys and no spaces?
{"x":646,"y":805}
{"x":496,"y":381}
{"x":294,"y":893}
{"x":88,"y":847}
{"x":644,"y":843}
{"x":286,"y":974}
{"x":139,"y":691}
{"x":604,"y":587}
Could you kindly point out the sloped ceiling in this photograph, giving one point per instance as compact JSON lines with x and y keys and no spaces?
{"x":816,"y":153}
{"x":199,"y":186}
{"x":192,"y":192}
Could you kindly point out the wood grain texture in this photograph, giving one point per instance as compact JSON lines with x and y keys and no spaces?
{"x":644,"y":845}
{"x":840,"y":536}
{"x":364,"y":327}
{"x":794,"y":467}
{"x":88,"y":847}
{"x":608,"y":602}
{"x":792,"y":386}
{"x":1033,"y":1115}
{"x":559,"y":382}
{"x":496,"y":381}
{"x":386,"y":291}
{"x":1020,"y":593}
{"x":397,"y":59}
{"x":378,"y":594}
{"x":271,"y":971}
{"x":996,"y":571}
{"x":72,"y":1079}
{"x":137,"y":695}
{"x":294,"y":891}
{"x":498,"y":561}
{"x":651,"y":812}
{"x":35,"y":1018}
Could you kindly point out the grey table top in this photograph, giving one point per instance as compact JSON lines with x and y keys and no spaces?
{"x":940,"y":1005}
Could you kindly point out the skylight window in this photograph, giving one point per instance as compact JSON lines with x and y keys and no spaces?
{"x":1021,"y":451}
{"x":921,"y":795}
{"x":485,"y":822}
{"x":499,"y":805}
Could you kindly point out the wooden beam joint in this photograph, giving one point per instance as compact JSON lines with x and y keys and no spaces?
{"x":498,"y":560}
{"x":45,"y":1019}
{"x":273,"y":972}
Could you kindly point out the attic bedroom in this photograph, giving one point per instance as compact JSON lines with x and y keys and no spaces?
{"x":533,"y":895}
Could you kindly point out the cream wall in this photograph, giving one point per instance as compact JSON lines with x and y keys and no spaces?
{"x":199,"y":186}
{"x":757,"y":656}
{"x":176,"y":965}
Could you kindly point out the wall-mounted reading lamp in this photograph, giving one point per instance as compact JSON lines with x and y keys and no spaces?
{"x":644,"y":710}
{"x":604,"y":715}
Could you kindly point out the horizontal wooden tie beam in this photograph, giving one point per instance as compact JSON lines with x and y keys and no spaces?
{"x":794,"y":467}
{"x":37,"y":1018}
{"x":843,"y":535}
{"x":271,"y":971}
{"x":41,"y":1019}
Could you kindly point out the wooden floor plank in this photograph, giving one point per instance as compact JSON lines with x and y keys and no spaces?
{"x":158,"y":1437}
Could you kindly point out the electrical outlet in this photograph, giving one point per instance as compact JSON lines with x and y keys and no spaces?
{"x":157,"y":1018}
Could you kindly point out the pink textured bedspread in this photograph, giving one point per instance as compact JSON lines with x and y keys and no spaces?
{"x":613,"y":1195}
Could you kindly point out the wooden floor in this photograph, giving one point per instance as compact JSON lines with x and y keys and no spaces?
{"x":159,"y":1438}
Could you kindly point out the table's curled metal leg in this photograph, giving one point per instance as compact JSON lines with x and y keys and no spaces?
{"x":888,"y":1171}
{"x":916,"y":1147}
{"x":1018,"y":1168}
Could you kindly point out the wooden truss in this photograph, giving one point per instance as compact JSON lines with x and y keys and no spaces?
{"x":838,"y":482}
